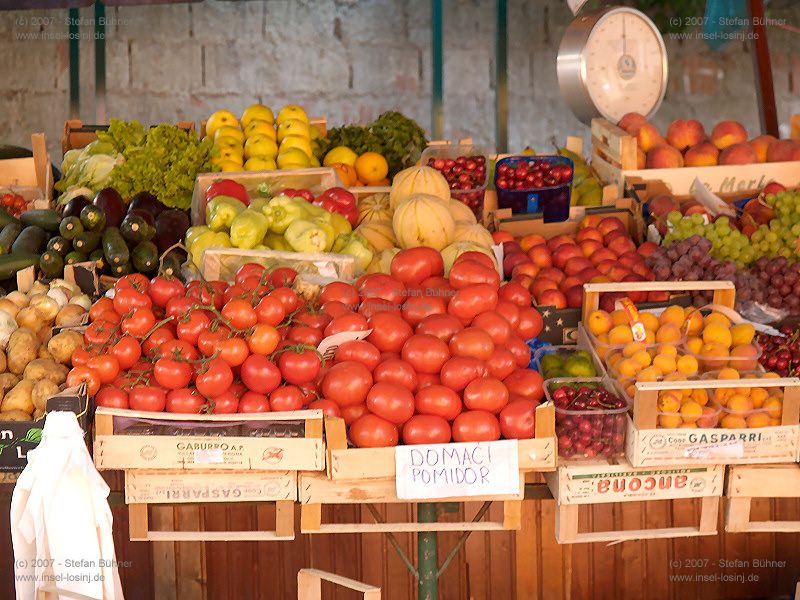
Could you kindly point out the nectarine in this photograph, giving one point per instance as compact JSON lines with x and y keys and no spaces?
{"x":589,"y":247}
{"x":529,"y":241}
{"x":540,"y":284}
{"x":603,"y":254}
{"x":648,"y":137}
{"x":683,"y":134}
{"x":761,"y":144}
{"x":728,"y":133}
{"x":576,"y":265}
{"x":738,"y":154}
{"x":588,"y":233}
{"x":631,"y":122}
{"x":564,"y":252}
{"x":552,"y":274}
{"x":554,"y":298}
{"x":540,"y":255}
{"x":607,"y":224}
{"x":559,"y":240}
{"x":664,"y":156}
{"x":574,"y":296}
{"x":703,"y":154}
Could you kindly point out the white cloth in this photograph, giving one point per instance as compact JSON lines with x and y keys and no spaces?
{"x":60,"y":519}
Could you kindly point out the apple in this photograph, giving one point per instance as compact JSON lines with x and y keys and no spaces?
{"x":531,"y":240}
{"x":512,"y":260}
{"x":291,"y":111}
{"x":293,"y":127}
{"x":527,"y":268}
{"x":540,"y":255}
{"x":540,"y":284}
{"x":589,"y":247}
{"x":554,"y":298}
{"x":564,"y":252}
{"x":257,"y":112}
{"x":609,"y":224}
{"x":588,"y":233}
{"x":576,"y":265}
{"x":618,"y":273}
{"x":559,"y":240}
{"x":773,"y":187}
{"x":221,"y":118}
{"x":260,"y":146}
{"x":552,"y":274}
{"x":605,"y":266}
{"x":293,"y":158}
{"x":601,"y":255}
{"x":574,"y":296}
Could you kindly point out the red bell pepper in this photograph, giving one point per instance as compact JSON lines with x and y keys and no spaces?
{"x":299,"y":193}
{"x":228,"y":187}
{"x":341,"y":201}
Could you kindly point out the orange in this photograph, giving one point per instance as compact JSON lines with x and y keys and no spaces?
{"x":346,"y":173}
{"x":759,"y":419}
{"x":371,"y":167}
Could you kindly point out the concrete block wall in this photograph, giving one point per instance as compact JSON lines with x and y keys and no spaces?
{"x":349,"y":60}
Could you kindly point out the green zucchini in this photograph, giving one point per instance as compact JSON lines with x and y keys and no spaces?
{"x":135,"y":229}
{"x":51,"y":263}
{"x":60,"y":245}
{"x":145,"y":257}
{"x":46,"y":218}
{"x":114,"y":247}
{"x":11,"y":263}
{"x":120,"y":270}
{"x":6,"y":218}
{"x":70,"y":227}
{"x":31,"y":240}
{"x":97,"y":258}
{"x":75,"y":257}
{"x":93,"y":217}
{"x":171,"y":264}
{"x":8,"y":235}
{"x":86,"y":241}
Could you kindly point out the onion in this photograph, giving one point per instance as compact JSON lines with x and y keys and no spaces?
{"x":81,"y":300}
{"x":59,"y":296}
{"x":37,"y":288}
{"x":70,"y":315}
{"x":9,"y":307}
{"x":30,"y":318}
{"x":7,"y":326}
{"x":46,"y":306}
{"x":18,"y":298}
{"x":70,"y":289}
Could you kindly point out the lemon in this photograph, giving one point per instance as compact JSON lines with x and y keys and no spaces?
{"x":296,"y":141}
{"x":261,"y":146}
{"x":256,"y":163}
{"x":258,"y":127}
{"x":227,"y":141}
{"x":257,"y":112}
{"x":293,"y":158}
{"x":221,"y":118}
{"x":229,"y":166}
{"x":293,"y":127}
{"x":340,"y":154}
{"x":313,"y":133}
{"x":228,"y":131}
{"x":233,"y":154}
{"x":291,"y":111}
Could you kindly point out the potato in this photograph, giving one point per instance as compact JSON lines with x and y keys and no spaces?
{"x":44,"y":353}
{"x":7,"y":381}
{"x":70,"y":315}
{"x":23,"y":347}
{"x":19,"y":398}
{"x":3,"y":362}
{"x":45,"y":368}
{"x":14,"y":415}
{"x":42,"y":390}
{"x":63,"y":345}
{"x":44,"y":334}
{"x":9,"y":307}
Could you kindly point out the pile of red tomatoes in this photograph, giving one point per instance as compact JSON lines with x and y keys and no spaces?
{"x":439,"y":359}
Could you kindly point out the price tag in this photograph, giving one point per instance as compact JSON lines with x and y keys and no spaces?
{"x":208,"y":456}
{"x":637,"y":327}
{"x":454,"y":470}
{"x":328,"y":346}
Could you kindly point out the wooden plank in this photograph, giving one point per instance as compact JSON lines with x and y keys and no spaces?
{"x":164,"y":584}
{"x":222,"y":571}
{"x":526,"y":553}
{"x":552,"y":562}
{"x":189,"y":557}
{"x":498,"y":555}
{"x":631,"y":554}
{"x":685,"y":514}
{"x":309,"y":585}
{"x":761,"y":544}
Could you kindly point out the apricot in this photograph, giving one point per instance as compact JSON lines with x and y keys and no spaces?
{"x":688,"y":426}
{"x":728,"y":373}
{"x":717,"y":334}
{"x":710,"y":417}
{"x":620,"y":317}
{"x":649,"y":320}
{"x":728,"y":133}
{"x":599,"y":322}
{"x":663,"y":156}
{"x":667,"y":334}
{"x":758,"y":419}
{"x":691,"y":411}
{"x":718,"y":318}
{"x":761,"y":145}
{"x":758,"y":396}
{"x":694,"y":345}
{"x":643,"y":358}
{"x":742,"y":333}
{"x":774,"y":422}
{"x":620,"y":335}
{"x":673,"y":314}
{"x":745,"y":357}
{"x":733,"y":422}
{"x":669,"y":421}
{"x":648,"y":137}
{"x":713,"y":356}
{"x":693,"y":320}
{"x":738,"y":154}
{"x":629,"y":367}
{"x":700,"y":396}
{"x":739,"y":403}
{"x":668,"y":350}
{"x":665,"y":363}
{"x":669,"y":402}
{"x":675,"y":377}
{"x":651,"y":373}
{"x":630,"y":349}
{"x":687,"y":365}
{"x":774,"y":408}
{"x":704,"y":154}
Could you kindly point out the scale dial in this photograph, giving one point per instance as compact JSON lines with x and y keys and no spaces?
{"x":611,"y":62}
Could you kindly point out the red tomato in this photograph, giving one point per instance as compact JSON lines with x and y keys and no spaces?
{"x":286,"y":398}
{"x":233,"y":292}
{"x":334,"y":308}
{"x":443,"y":327}
{"x":208,"y":339}
{"x":425,"y":353}
{"x":287,"y":297}
{"x":391,"y":402}
{"x":372,"y":306}
{"x":270,"y":311}
{"x":111,"y":396}
{"x":426,"y":429}
{"x":260,"y":374}
{"x":501,"y":363}
{"x":79,"y":375}
{"x":240,"y":314}
{"x":469,"y":272}
{"x":526,"y":383}
{"x":312,"y":318}
{"x":509,"y":311}
{"x":191,"y":326}
{"x":460,"y":370}
{"x":359,"y":351}
{"x":515,"y":293}
{"x":264,"y":339}
{"x":135,"y":281}
{"x":225,"y":403}
{"x":347,"y":322}
{"x":338,"y":291}
{"x":98,"y":332}
{"x":389,"y":331}
{"x":487,"y":394}
{"x":495,"y":325}
{"x":518,"y":420}
{"x":253,"y":402}
{"x":106,"y":366}
{"x":160,"y":336}
{"x":100,"y":306}
{"x":233,"y":351}
{"x":299,"y":367}
{"x":163,"y":289}
{"x":172,"y":374}
{"x":328,"y":407}
{"x":184,"y":400}
{"x":438,"y":400}
{"x":414,"y":265}
{"x":346,"y":383}
{"x":255,"y":288}
{"x":309,"y":389}
{"x":352,"y":413}
{"x":127,"y":299}
{"x":207,"y":292}
{"x":475,"y":256}
{"x":215,"y":378}
{"x":530,"y":323}
{"x":179,"y":350}
{"x":397,"y":371}
{"x":301,"y":334}
{"x":476,"y":426}
{"x":148,"y":398}
{"x":380,"y":285}
{"x":237,"y":389}
{"x":437,"y":286}
{"x":282,"y":277}
{"x":473,"y":342}
{"x":520,"y":350}
{"x":178,"y":307}
{"x":371,"y":431}
{"x":471,"y":301}
{"x":248,"y":270}
{"x":109,"y":315}
{"x":81,"y":355}
{"x":417,"y":308}
{"x":426,"y":379}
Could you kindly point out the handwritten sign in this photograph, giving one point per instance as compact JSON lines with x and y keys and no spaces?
{"x":453,"y":470}
{"x":726,"y":449}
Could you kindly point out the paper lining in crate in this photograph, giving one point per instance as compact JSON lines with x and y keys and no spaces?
{"x":222,"y":263}
{"x":614,"y":159}
{"x":30,"y":177}
{"x":279,"y":441}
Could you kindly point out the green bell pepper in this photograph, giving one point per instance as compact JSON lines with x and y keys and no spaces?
{"x":248,"y":228}
{"x":325,"y":225}
{"x":306,"y":236}
{"x":340,"y":223}
{"x":355,"y":245}
{"x":221,"y":211}
{"x":275,"y":241}
{"x":258,"y":203}
{"x":195,"y":232}
{"x":283,"y":210}
{"x":209,"y":239}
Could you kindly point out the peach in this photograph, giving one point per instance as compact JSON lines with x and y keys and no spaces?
{"x":559,"y":240}
{"x":588,"y":233}
{"x":603,"y":254}
{"x":590,"y":221}
{"x":575,"y":265}
{"x":645,"y":273}
{"x":641,"y":159}
{"x":540,"y":284}
{"x":598,"y":322}
{"x":589,"y":247}
{"x":607,"y":224}
{"x":648,"y":137}
{"x":634,"y":257}
{"x":631,"y":122}
{"x":683,"y":134}
{"x":658,"y":296}
{"x":664,"y":156}
{"x":499,"y":237}
{"x":728,"y":133}
{"x":564,"y":252}
{"x":570,"y":281}
{"x":783,"y":150}
{"x":552,"y":274}
{"x":761,"y":144}
{"x":605,"y":266}
{"x":662,"y":205}
{"x":574,"y":296}
{"x":541,"y":256}
{"x":607,"y":239}
{"x":554,"y":298}
{"x":621,"y":245}
{"x":618,"y":273}
{"x":647,"y":248}
{"x":738,"y":154}
{"x":703,"y":154}
{"x":588,"y":274}
{"x":531,"y":240}
{"x":529,"y":269}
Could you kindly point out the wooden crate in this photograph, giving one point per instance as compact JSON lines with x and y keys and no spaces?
{"x":78,"y":135}
{"x":236,"y":448}
{"x":222,"y":263}
{"x":168,"y":487}
{"x":367,"y":475}
{"x":31,"y":177}
{"x":759,"y":481}
{"x":614,"y":159}
{"x":601,"y":482}
{"x":309,"y":585}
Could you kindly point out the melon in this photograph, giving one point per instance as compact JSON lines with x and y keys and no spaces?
{"x":474,"y":233}
{"x":374,"y":208}
{"x":456,"y":249}
{"x":461,"y":212}
{"x":378,"y":233}
{"x":423,"y":220}
{"x":418,"y":180}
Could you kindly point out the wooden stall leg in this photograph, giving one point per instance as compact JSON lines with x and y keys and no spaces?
{"x":138,"y":526}
{"x":512,"y":514}
{"x":566,"y":522}
{"x":737,"y":512}
{"x":310,"y":517}
{"x":284,"y":518}
{"x":709,"y":514}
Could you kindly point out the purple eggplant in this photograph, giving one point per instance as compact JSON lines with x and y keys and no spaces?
{"x":74,"y":207}
{"x":145,"y":214}
{"x":111,"y":202}
{"x":171,"y":226}
{"x":147,"y":201}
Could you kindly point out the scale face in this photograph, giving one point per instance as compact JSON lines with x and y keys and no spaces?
{"x":612,"y":62}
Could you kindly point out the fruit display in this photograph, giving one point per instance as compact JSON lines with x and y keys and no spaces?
{"x":535,"y":184}
{"x":565,"y":361}
{"x":781,"y":353}
{"x":554,"y":270}
{"x":590,"y":418}
{"x":687,"y":144}
{"x":586,"y":187}
{"x":369,"y":169}
{"x":261,"y":140}
{"x":464,"y":168}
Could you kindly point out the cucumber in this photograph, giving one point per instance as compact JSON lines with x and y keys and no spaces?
{"x":86,"y":241}
{"x":46,"y":218}
{"x":135,"y":229}
{"x":70,"y":227}
{"x":171,"y":264}
{"x":93,"y":218}
{"x":60,"y":245}
{"x":97,"y":258}
{"x":145,"y":257}
{"x":51,"y":263}
{"x":75,"y":257}
{"x":11,"y":263}
{"x":6,"y":218}
{"x":114,"y":247}
{"x":8,"y":235}
{"x":31,"y":240}
{"x":120,"y":270}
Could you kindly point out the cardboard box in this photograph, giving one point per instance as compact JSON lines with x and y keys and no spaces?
{"x":32,"y":177}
